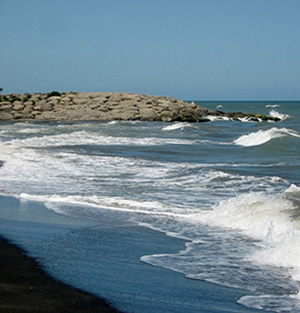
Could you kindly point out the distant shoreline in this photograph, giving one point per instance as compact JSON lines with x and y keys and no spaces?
{"x":108,"y":106}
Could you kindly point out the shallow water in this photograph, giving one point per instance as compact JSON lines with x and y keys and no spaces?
{"x":229,"y":190}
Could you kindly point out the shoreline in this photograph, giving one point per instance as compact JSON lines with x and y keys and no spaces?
{"x":108,"y":106}
{"x":26,"y":287}
{"x":139,"y":285}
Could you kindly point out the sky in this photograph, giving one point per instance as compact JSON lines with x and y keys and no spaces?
{"x":187,"y":49}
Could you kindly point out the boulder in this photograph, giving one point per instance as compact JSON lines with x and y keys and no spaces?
{"x":46,"y":107}
{"x":27,"y":109}
{"x":5,"y":106}
{"x":53,"y":100}
{"x":18,"y":107}
{"x":80,"y":100}
{"x":5,"y":116}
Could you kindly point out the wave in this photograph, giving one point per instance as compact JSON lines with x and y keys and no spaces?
{"x":225,"y":241}
{"x":281,"y":116}
{"x":254,"y":214}
{"x":272,"y":303}
{"x":214,"y":118}
{"x":262,"y":136}
{"x":272,"y":106}
{"x":272,"y":220}
{"x":180,"y":125}
{"x":89,"y":138}
{"x":262,"y":231}
{"x":68,"y":205}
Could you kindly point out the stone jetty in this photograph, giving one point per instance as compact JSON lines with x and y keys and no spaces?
{"x":106,"y":106}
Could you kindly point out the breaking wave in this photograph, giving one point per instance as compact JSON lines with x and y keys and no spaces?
{"x":263,"y":136}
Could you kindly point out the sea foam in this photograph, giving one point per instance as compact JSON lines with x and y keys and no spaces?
{"x":272,"y":220}
{"x":262,"y":136}
{"x":178,"y":126}
{"x":281,"y":116}
{"x":272,"y":106}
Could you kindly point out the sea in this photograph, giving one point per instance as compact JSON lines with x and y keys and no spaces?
{"x":161,"y":217}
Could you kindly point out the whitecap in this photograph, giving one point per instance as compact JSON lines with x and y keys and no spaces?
{"x":77,"y":138}
{"x":276,"y":114}
{"x":272,"y":106}
{"x":213,"y":118}
{"x":180,"y":125}
{"x":253,"y":214}
{"x":262,"y":136}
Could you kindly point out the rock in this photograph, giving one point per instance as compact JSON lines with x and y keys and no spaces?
{"x":65,"y":100}
{"x":147,"y":114}
{"x":112,"y":104}
{"x":43,"y":96}
{"x":58,"y":107}
{"x":27,"y":109}
{"x":94,"y":105}
{"x":18,"y":107}
{"x":107,"y":106}
{"x":17,"y":115}
{"x":41,"y":102}
{"x":17,"y":102}
{"x":5,"y":116}
{"x":165,"y":117}
{"x":46,"y":107}
{"x":80,"y":100}
{"x":94,"y":95}
{"x":53,"y":100}
{"x":35,"y":113}
{"x":46,"y":115}
{"x":5,"y":106}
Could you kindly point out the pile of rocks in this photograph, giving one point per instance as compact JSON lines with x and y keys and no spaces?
{"x":101,"y":106}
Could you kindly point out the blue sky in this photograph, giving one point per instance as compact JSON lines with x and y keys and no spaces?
{"x":188,"y":49}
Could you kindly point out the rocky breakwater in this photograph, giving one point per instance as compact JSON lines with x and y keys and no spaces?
{"x":104,"y":106}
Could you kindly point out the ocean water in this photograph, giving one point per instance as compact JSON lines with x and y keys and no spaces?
{"x":227,"y":192}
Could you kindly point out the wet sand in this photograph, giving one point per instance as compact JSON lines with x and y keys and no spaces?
{"x":25,"y":287}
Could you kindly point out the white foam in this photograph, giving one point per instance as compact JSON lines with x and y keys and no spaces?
{"x":180,"y":125}
{"x":262,"y":136}
{"x":224,"y":257}
{"x":68,"y":205}
{"x":214,"y":118}
{"x":272,"y":303}
{"x":176,"y":198}
{"x":89,"y":138}
{"x":280,"y":246}
{"x":281,"y":116}
{"x":269,"y":219}
{"x":272,"y":106}
{"x":254,"y":214}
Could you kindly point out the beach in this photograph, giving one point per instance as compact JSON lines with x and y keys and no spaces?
{"x":150,"y":156}
{"x":25,"y":287}
{"x":111,"y":267}
{"x":159,"y":216}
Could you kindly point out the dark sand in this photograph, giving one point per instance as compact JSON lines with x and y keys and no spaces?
{"x":25,"y":287}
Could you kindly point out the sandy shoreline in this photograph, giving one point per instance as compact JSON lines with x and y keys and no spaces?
{"x":25,"y":287}
{"x":92,"y":259}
